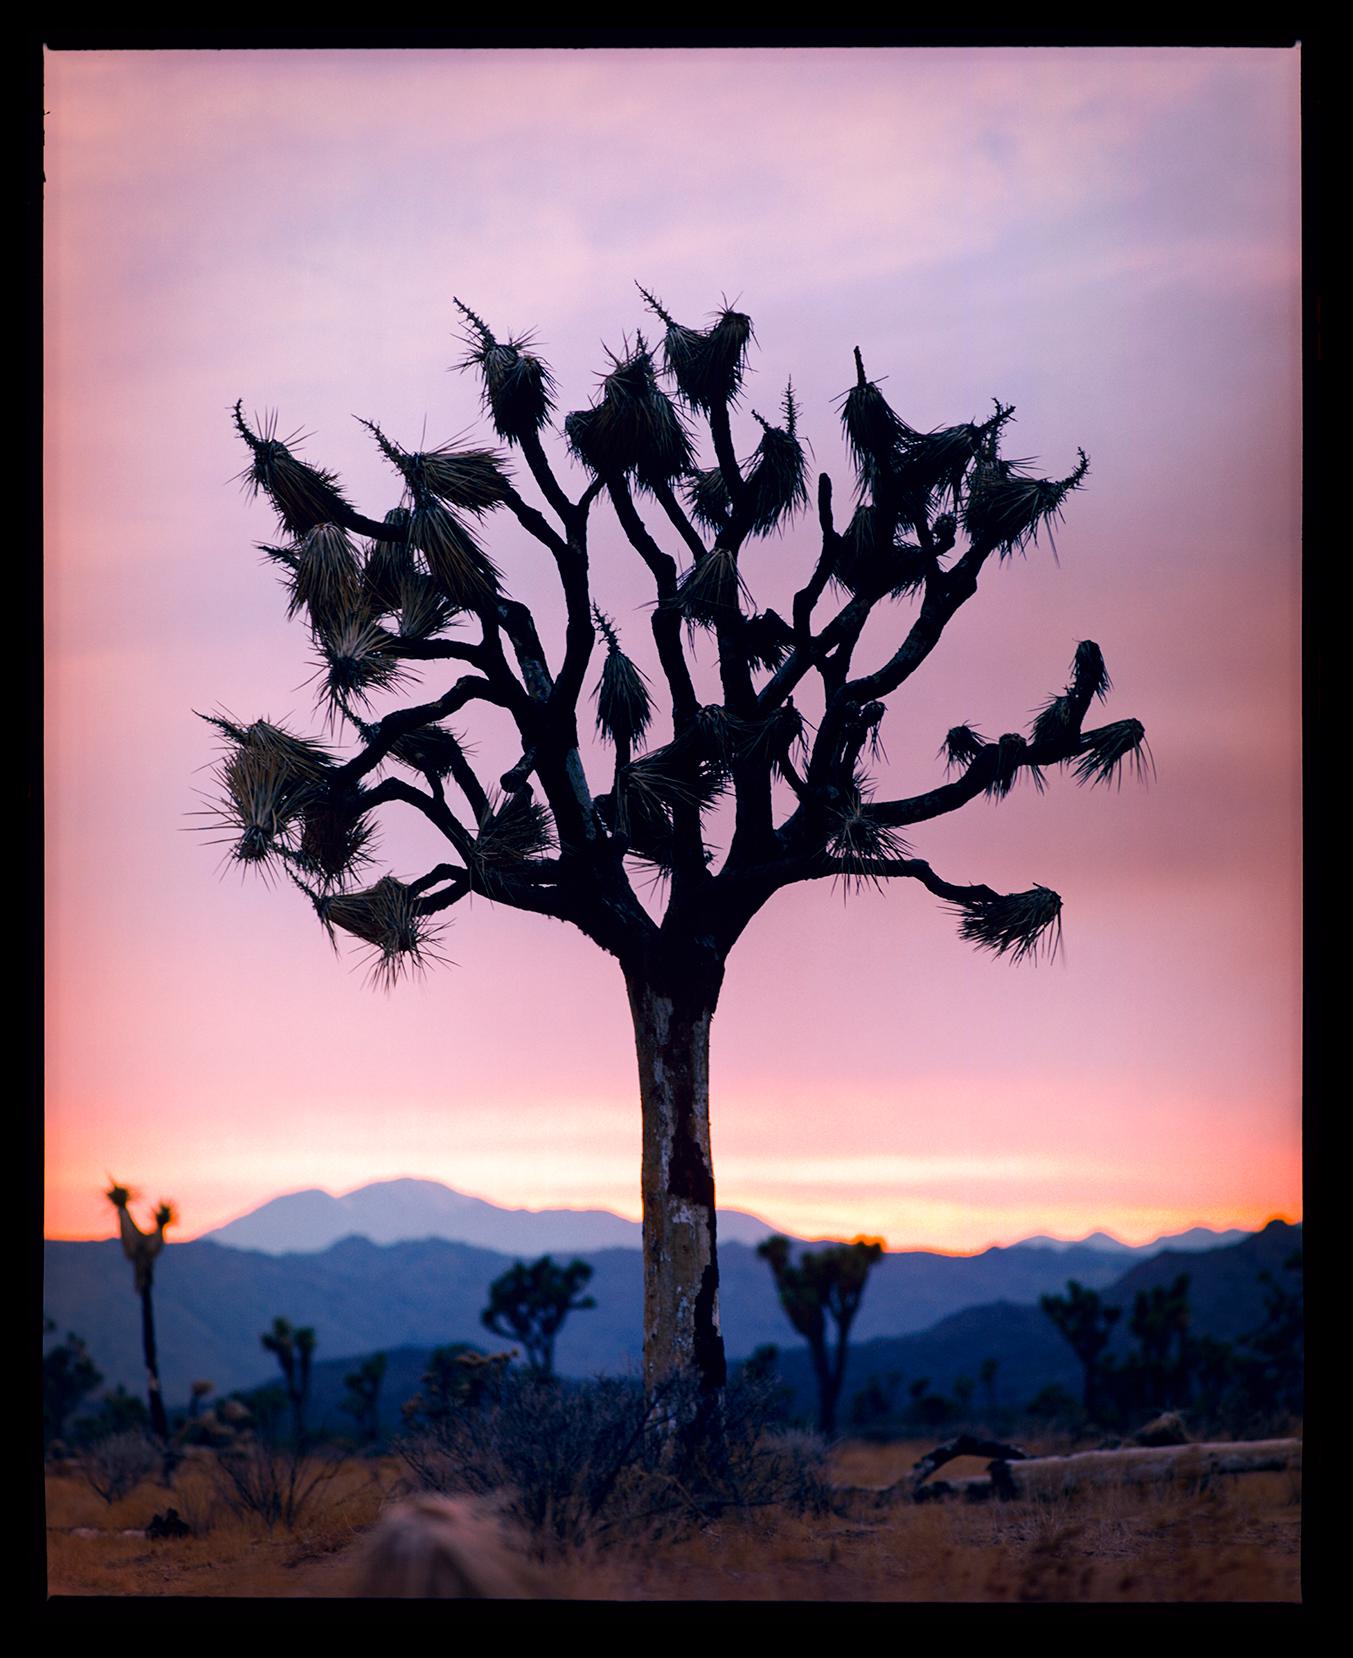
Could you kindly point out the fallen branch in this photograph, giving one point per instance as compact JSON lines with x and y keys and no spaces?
{"x":1133,"y":1465}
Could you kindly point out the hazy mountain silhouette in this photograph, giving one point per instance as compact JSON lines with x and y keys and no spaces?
{"x":401,"y":1211}
{"x":1196,"y":1237}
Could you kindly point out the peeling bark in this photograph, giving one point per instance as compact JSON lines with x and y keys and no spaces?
{"x":681,"y":1272}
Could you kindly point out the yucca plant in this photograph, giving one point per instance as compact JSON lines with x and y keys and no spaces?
{"x":670,"y":460}
{"x":142,"y":1249}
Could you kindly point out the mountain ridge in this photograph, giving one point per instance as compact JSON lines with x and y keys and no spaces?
{"x":407,"y":1208}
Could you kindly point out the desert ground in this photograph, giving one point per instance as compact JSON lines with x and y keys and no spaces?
{"x":1233,"y":1539}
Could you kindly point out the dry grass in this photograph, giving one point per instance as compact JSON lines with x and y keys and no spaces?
{"x":1235,"y":1540}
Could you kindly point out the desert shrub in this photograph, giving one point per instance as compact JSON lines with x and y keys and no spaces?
{"x":577,"y":1463}
{"x":259,"y":1475}
{"x":116,"y":1464}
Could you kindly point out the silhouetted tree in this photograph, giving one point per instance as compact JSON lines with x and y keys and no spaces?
{"x":1086,"y":1324}
{"x":530,"y":1303}
{"x":294,"y":1350}
{"x":823,"y":1283}
{"x":931,"y":511}
{"x":69,"y":1376}
{"x":1275,"y":1361}
{"x":986,"y":1374}
{"x":1160,"y":1322}
{"x":362,"y":1401}
{"x":141,"y":1249}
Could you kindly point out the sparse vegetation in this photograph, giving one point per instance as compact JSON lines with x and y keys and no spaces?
{"x":1234,"y":1540}
{"x":579,"y":1464}
{"x":116,"y":1463}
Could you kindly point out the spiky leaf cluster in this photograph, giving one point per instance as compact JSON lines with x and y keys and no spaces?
{"x":266,"y":778}
{"x":775,"y":486}
{"x":357,"y":658}
{"x":856,"y":840}
{"x":632,"y":429}
{"x":326,"y":579}
{"x":456,"y":562}
{"x":766,"y":639}
{"x":388,"y":565}
{"x":387,"y":918}
{"x":1109,"y":750}
{"x":518,"y":387}
{"x":707,"y":364}
{"x":1020,"y":923}
{"x":1005,"y":507}
{"x":301,"y":495}
{"x":474,"y":480}
{"x":1011,"y":757}
{"x":512,"y":830}
{"x":711,"y":592}
{"x":624,"y":707}
{"x":961,"y":746}
{"x":430,"y":749}
{"x":336,"y":840}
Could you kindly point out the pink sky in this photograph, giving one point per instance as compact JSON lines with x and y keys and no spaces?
{"x":1108,"y":238}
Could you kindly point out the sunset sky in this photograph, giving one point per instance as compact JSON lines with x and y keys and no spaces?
{"x":1107,"y":238}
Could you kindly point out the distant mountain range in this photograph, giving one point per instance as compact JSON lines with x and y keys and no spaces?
{"x":213,"y":1301}
{"x":403,"y":1211}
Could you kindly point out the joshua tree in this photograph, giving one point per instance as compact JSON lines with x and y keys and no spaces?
{"x":1086,"y":1325}
{"x":362,"y":1401}
{"x":1160,"y":1322}
{"x":69,"y":1375}
{"x":530,"y":1303}
{"x":293,"y":1350}
{"x":932,"y":512}
{"x":824,"y":1282}
{"x":141,"y":1248}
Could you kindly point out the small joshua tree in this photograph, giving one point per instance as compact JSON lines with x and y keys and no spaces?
{"x":824,"y":1283}
{"x":69,"y":1376}
{"x":530,"y":1303}
{"x":141,"y":1249}
{"x":362,"y":1402}
{"x":293,"y":1350}
{"x":387,"y":599}
{"x":1160,"y":1322}
{"x":1086,"y":1324}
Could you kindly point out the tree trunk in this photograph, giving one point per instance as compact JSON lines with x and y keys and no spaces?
{"x":682,"y":1340}
{"x":159,"y":1422}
